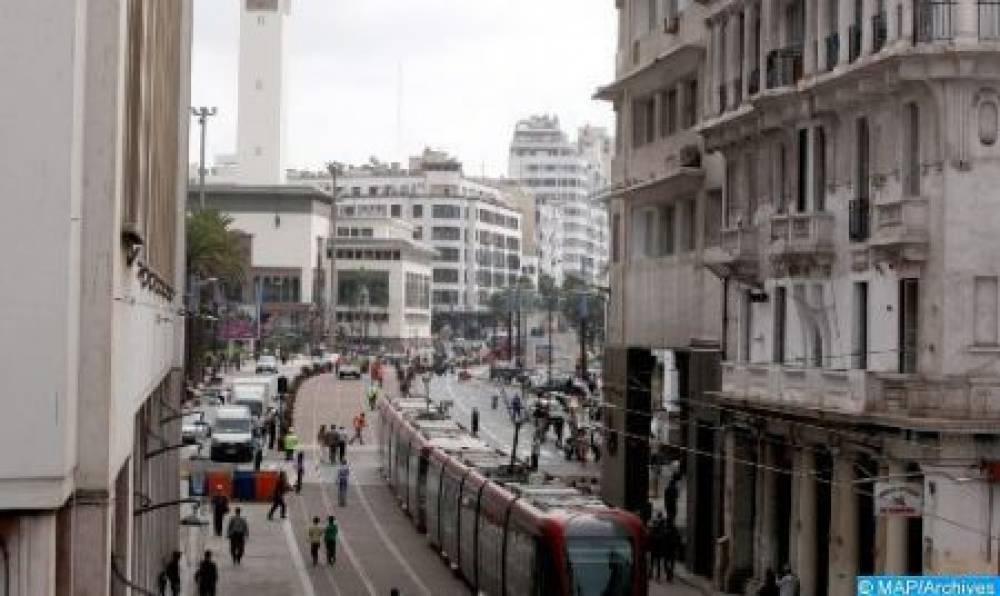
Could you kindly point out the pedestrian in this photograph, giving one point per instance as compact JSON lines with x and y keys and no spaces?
{"x":359,"y":426}
{"x":300,"y":470}
{"x":272,"y":430}
{"x":670,"y":494}
{"x":278,"y":497}
{"x":671,"y":547}
{"x":372,"y":397}
{"x":290,"y":443}
{"x":207,"y":575}
{"x":171,"y":575}
{"x":788,"y":585}
{"x":321,"y":437}
{"x":332,"y":443}
{"x":557,"y":424}
{"x":342,"y":444}
{"x":536,"y":449}
{"x":515,"y":407}
{"x":595,"y":445}
{"x":238,"y":532}
{"x":220,"y":507}
{"x":770,"y":586}
{"x":315,"y":540}
{"x":656,"y":544}
{"x":258,"y":457}
{"x":343,"y":475}
{"x":475,"y":422}
{"x":330,"y":539}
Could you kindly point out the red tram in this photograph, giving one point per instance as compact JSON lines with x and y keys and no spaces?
{"x":504,"y":534}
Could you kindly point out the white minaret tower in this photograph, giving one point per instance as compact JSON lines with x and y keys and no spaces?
{"x":261,"y":119}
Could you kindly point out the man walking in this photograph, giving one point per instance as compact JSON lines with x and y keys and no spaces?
{"x":359,"y":426}
{"x":342,"y":444}
{"x":316,"y":534}
{"x":171,"y":575}
{"x":278,"y":498}
{"x":300,"y":470}
{"x":343,"y":475}
{"x":238,"y":532}
{"x":207,"y":576}
{"x":220,"y":507}
{"x":330,"y":538}
{"x":670,"y":494}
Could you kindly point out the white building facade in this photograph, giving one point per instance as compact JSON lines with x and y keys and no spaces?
{"x":565,"y":179}
{"x":383,"y":282}
{"x":476,"y":234}
{"x":93,"y":352}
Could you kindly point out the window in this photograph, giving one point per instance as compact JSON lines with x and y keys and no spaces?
{"x":780,"y":324}
{"x":666,"y":230}
{"x":449,"y":276}
{"x":984,"y":309}
{"x":396,"y":210}
{"x":779,"y":182}
{"x":443,"y":233}
{"x":863,"y":156}
{"x":373,"y":191}
{"x":418,"y":210}
{"x":691,"y":218}
{"x":418,"y":233}
{"x":448,"y":255}
{"x":691,"y":103}
{"x":616,"y":224}
{"x":446,"y":212}
{"x":668,"y":112}
{"x":355,"y":191}
{"x":819,"y":169}
{"x":713,"y":217}
{"x":417,"y":290}
{"x":911,"y":159}
{"x":802,"y":171}
{"x":860,"y":325}
{"x":649,"y":235}
{"x":908,"y":329}
{"x":746,"y":328}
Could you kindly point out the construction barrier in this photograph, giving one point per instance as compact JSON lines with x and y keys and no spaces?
{"x":220,"y":482}
{"x":244,"y":485}
{"x":265,"y":483}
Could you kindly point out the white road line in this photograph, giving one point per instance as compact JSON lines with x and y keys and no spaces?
{"x":389,"y":544}
{"x":300,"y":566}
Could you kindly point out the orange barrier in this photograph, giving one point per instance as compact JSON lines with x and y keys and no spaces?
{"x":265,"y":482}
{"x":219,"y":482}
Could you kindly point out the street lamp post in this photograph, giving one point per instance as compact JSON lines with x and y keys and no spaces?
{"x":202,"y":114}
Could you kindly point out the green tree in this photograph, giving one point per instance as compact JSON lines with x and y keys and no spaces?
{"x":213,"y":248}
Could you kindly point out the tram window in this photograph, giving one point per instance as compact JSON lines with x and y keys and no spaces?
{"x":599,"y":566}
{"x":433,"y":494}
{"x":490,"y":548}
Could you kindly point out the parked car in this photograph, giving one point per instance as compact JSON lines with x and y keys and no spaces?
{"x":267,"y":364}
{"x":349,"y":369}
{"x":194,"y":427}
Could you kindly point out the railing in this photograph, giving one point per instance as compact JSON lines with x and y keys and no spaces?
{"x":859,"y":220}
{"x":753,"y":85}
{"x":989,"y":19}
{"x":784,"y":66}
{"x":880,"y":31}
{"x":832,"y":50}
{"x":723,"y":103}
{"x":934,"y":20}
{"x":853,"y":42}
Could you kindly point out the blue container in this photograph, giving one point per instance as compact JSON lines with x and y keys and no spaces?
{"x":243,"y":485}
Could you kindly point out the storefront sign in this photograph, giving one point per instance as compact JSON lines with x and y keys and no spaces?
{"x":899,"y":498}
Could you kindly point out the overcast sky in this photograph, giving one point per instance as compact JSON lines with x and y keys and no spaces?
{"x":470,"y":69}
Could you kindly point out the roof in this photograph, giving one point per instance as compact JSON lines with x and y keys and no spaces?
{"x":262,"y":191}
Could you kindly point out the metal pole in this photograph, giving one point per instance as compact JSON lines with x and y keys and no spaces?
{"x":203,"y":114}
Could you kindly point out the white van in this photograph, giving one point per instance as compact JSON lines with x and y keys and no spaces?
{"x":232,"y":435}
{"x":252,"y":395}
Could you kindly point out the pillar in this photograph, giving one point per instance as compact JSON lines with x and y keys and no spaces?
{"x":967,"y":22}
{"x":844,"y":527}
{"x":766,"y":506}
{"x":906,"y":26}
{"x":707,"y":87}
{"x":766,"y":38}
{"x":867,"y":11}
{"x":810,"y":169}
{"x":747,"y":65}
{"x":845,"y":17}
{"x":895,"y":531}
{"x":804,"y":505}
{"x":809,"y":36}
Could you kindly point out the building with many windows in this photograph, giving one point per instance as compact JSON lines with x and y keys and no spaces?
{"x":564,"y":178}
{"x":474,"y":230}
{"x":383,"y":281}
{"x":95,"y":120}
{"x":854,"y":427}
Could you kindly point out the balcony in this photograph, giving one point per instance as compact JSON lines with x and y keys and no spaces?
{"x":736,"y":256}
{"x":934,"y":20}
{"x":753,"y":85}
{"x":901,"y":230}
{"x":859,"y":220}
{"x":784,"y":66}
{"x":854,"y":42}
{"x":880,"y":31}
{"x":832,"y":50}
{"x":942,"y":403}
{"x":802,"y":244}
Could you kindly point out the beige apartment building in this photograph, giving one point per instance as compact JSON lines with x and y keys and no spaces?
{"x":95,"y":119}
{"x":854,"y":429}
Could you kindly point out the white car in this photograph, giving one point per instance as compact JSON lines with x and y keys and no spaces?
{"x":267,"y":364}
{"x":194,"y":427}
{"x":349,"y":369}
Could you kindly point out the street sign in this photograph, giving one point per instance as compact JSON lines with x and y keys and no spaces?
{"x":898,"y":498}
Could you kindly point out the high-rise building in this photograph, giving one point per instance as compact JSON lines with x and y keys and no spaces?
{"x":565,"y":179}
{"x":260,"y":144}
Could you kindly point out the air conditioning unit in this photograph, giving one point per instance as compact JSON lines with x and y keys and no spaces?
{"x":671,"y":24}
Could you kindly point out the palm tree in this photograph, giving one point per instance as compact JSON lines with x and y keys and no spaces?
{"x":213,"y":248}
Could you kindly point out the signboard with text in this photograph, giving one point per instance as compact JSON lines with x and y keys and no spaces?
{"x":896,"y":498}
